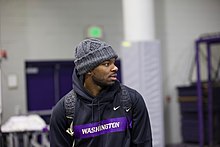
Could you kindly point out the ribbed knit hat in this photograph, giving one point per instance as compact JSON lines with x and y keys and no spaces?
{"x":90,"y":53}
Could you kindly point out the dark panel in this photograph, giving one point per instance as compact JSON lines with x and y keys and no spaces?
{"x":40,"y":87}
{"x":65,"y":77}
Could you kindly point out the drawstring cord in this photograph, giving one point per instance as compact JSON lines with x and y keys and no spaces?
{"x":102,"y":142}
{"x":92,"y":110}
{"x":99,"y":111}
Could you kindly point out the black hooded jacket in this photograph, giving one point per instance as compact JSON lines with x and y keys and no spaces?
{"x":101,"y":121}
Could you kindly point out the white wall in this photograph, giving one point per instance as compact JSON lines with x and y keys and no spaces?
{"x":14,"y":40}
{"x":49,"y":29}
{"x":55,"y":27}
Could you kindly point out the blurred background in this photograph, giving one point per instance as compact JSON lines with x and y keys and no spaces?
{"x":169,"y":50}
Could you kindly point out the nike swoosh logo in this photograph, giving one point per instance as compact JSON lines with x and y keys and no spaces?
{"x":128,"y":109}
{"x":115,"y":108}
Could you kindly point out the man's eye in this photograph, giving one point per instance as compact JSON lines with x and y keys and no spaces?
{"x":106,"y":64}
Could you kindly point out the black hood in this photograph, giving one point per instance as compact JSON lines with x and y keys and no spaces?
{"x":106,"y":95}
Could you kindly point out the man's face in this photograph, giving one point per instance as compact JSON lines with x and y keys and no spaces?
{"x":105,"y":74}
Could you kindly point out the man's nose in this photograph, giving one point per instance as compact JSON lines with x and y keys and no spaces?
{"x":115,"y":68}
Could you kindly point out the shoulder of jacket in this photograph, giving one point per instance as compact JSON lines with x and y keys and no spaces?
{"x":134,"y":94}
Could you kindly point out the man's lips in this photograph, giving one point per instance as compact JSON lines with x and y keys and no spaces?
{"x":113,"y":76}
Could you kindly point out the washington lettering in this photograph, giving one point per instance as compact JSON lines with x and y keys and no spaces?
{"x":100,"y":128}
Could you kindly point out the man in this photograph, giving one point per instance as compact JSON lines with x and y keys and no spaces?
{"x":100,"y":118}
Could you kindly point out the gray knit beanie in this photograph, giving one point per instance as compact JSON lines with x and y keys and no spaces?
{"x":90,"y":53}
